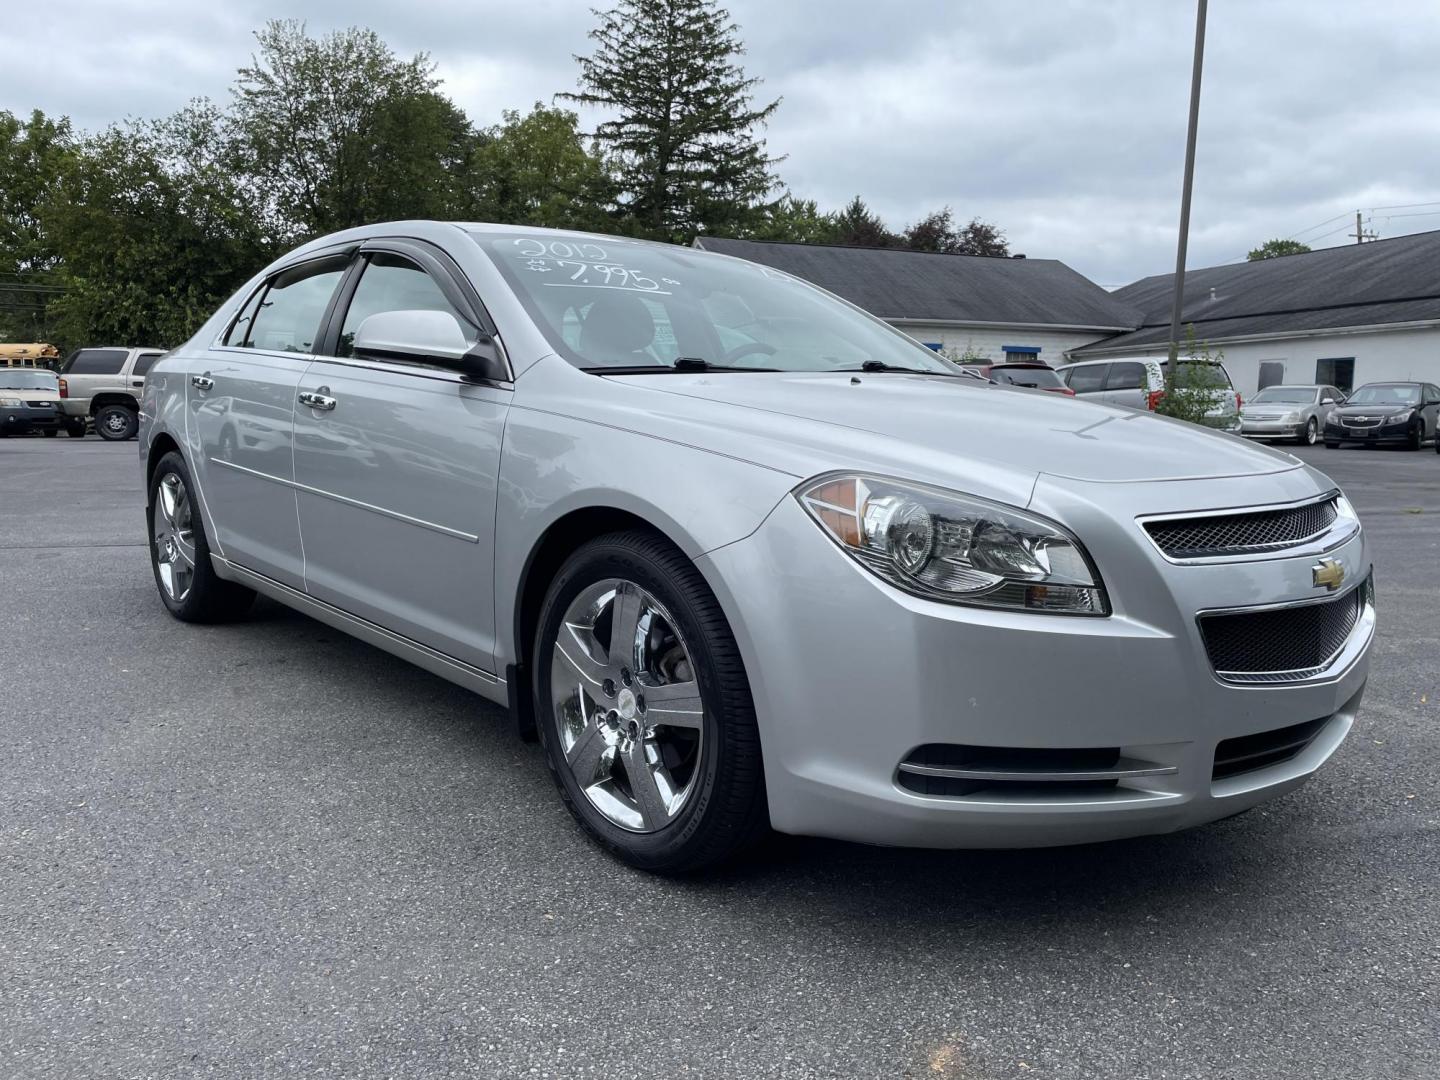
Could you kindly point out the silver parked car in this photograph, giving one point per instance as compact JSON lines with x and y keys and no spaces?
{"x":743,"y":555}
{"x":1289,"y":412}
{"x":1139,"y":383}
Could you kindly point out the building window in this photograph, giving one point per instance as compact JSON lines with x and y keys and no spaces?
{"x":1336,"y":371}
{"x":1021,"y":353}
{"x":935,"y":345}
{"x":1272,"y":373}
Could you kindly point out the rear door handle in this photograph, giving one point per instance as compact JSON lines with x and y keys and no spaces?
{"x":201,"y":382}
{"x":316,"y":400}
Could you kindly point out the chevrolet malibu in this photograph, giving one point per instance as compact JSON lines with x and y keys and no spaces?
{"x":743,"y":556}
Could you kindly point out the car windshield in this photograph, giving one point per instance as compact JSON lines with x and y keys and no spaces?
{"x":1026,"y":376}
{"x":11,"y":379}
{"x":1386,"y":394}
{"x":1285,"y":395}
{"x":610,"y":303}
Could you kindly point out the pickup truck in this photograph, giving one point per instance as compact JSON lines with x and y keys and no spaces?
{"x":104,"y":385}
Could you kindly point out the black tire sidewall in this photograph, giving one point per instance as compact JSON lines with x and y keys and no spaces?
{"x":131,"y":427}
{"x":612,"y":558}
{"x":197,"y":605}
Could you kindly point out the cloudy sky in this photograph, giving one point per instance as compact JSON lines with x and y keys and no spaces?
{"x":1063,"y":121}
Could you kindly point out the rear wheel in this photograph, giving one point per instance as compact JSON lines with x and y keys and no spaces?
{"x":116,"y":422}
{"x":75,"y":430}
{"x":180,"y":554}
{"x":644,"y":710}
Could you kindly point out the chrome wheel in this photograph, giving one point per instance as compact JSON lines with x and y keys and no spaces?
{"x":627,"y":709}
{"x":174,"y":534}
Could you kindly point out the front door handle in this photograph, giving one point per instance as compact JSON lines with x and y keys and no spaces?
{"x":316,"y":400}
{"x":200,"y":382}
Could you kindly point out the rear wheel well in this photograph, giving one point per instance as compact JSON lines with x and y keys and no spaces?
{"x":159,"y":447}
{"x":557,"y":544}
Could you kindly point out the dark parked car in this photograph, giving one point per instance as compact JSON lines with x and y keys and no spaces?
{"x":1407,"y":413}
{"x":1034,"y":376}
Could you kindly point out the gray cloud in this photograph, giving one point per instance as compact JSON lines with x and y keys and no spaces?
{"x":1061,"y":121}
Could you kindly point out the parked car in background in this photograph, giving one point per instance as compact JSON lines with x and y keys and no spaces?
{"x":1139,"y":383}
{"x":30,"y":401}
{"x":104,"y":385}
{"x":710,"y":532}
{"x":1035,"y":376}
{"x":1289,"y":412}
{"x":1405,"y":413}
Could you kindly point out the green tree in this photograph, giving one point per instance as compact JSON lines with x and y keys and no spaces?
{"x":683,"y":131}
{"x":796,"y":221}
{"x":338,"y":131}
{"x":1190,"y":383}
{"x":536,"y":170}
{"x":859,"y":225}
{"x":1274,"y":248}
{"x":33,"y":153}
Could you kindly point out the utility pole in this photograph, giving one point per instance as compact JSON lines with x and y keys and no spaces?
{"x":1360,"y":234}
{"x":1179,"y":303}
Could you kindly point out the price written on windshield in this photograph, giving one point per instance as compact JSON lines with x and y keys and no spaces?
{"x":584,"y":265}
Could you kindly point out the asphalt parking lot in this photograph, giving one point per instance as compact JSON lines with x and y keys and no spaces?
{"x":267,"y":849}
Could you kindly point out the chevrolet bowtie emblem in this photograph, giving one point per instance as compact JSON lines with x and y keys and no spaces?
{"x":1329,"y":573}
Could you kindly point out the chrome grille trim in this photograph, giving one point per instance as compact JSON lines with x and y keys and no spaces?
{"x":1249,"y":532}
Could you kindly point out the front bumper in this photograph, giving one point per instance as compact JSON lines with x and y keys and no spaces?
{"x":16,"y":421}
{"x":851,"y":676}
{"x":1269,"y":429}
{"x":1380,"y":433}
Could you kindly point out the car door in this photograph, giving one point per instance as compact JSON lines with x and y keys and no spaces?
{"x":240,"y":402}
{"x":396,"y":470}
{"x":1125,"y":384}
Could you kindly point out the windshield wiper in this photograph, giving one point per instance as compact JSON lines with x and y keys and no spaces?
{"x":683,"y":365}
{"x":880,"y":365}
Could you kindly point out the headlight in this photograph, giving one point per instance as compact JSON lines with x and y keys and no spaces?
{"x":1400,"y":417}
{"x":10,"y":402}
{"x":1291,"y":418}
{"x":955,"y":548}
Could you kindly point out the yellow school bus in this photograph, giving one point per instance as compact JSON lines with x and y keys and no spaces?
{"x":33,"y":354}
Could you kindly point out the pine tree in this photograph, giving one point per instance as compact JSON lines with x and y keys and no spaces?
{"x":684,"y":133}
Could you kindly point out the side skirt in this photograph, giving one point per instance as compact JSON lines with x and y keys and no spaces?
{"x":488,"y":686}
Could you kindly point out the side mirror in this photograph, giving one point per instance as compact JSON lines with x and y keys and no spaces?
{"x":430,"y":337}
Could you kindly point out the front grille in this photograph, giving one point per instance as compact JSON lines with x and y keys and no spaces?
{"x":1243,"y":533}
{"x":1250,"y":752}
{"x":1281,"y":645}
{"x":41,"y":404}
{"x":954,"y":770}
{"x":1361,"y":421}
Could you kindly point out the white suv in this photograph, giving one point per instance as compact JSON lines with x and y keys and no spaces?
{"x":1139,"y":383}
{"x":105,"y":385}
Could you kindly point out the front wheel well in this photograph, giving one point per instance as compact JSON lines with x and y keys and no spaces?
{"x":558,"y":543}
{"x":125,"y":401}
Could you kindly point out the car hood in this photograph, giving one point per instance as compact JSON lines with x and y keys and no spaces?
{"x":1371,"y":410}
{"x":951,"y":422}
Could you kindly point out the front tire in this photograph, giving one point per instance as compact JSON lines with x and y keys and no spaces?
{"x":644,"y":710}
{"x":116,"y":423}
{"x":180,"y":553}
{"x":1310,"y":434}
{"x":1417,"y":436}
{"x":76,"y":431}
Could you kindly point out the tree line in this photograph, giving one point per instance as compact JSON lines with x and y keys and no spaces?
{"x":133,"y":234}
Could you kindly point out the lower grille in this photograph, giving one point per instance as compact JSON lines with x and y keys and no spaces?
{"x":956,"y":770}
{"x":1283,"y":644}
{"x":1250,"y":752}
{"x":50,"y":405}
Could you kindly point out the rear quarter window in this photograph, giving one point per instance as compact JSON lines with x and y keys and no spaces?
{"x":1086,"y":379}
{"x":96,"y":362}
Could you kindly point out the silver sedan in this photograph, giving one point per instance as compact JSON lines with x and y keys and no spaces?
{"x":1289,"y":412}
{"x":744,"y":557}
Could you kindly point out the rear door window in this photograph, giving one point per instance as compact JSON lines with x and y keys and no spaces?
{"x":1125,"y":376}
{"x":292,"y":307}
{"x":1087,"y":379}
{"x":96,"y":362}
{"x":144,"y":361}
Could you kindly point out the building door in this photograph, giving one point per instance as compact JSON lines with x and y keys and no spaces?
{"x":1336,"y":371}
{"x":1272,"y":373}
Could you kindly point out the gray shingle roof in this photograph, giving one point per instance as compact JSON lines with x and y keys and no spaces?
{"x":921,"y":286}
{"x":1386,"y":281}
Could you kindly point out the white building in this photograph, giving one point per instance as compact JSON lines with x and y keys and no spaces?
{"x":989,"y":308}
{"x":1344,"y":315}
